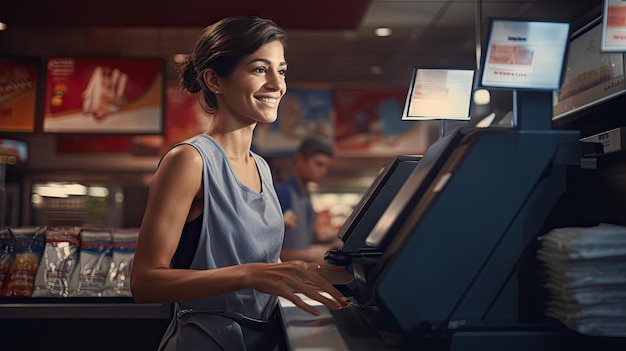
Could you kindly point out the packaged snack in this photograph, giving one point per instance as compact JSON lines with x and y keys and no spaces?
{"x":118,"y":279}
{"x":60,"y":258}
{"x":96,"y":251}
{"x":7,"y":253}
{"x":29,"y":244}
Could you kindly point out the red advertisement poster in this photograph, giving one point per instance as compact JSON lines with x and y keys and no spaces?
{"x":18,"y":94}
{"x":104,"y":95}
{"x":184,"y":116}
{"x":184,"y":119}
{"x":369,"y":123}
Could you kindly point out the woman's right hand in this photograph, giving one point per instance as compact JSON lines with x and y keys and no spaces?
{"x":287,"y":279}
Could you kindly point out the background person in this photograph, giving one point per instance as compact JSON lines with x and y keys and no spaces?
{"x":311,"y":162}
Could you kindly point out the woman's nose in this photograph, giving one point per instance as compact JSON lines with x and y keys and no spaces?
{"x":275,"y":81}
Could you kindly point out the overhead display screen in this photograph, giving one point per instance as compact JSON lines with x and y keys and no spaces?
{"x":524,"y":54}
{"x":439,"y":94}
{"x":614,"y":26}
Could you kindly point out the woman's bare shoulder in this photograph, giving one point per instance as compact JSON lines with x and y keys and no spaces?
{"x":181,"y":156}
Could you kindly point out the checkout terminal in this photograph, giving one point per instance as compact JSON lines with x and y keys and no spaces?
{"x":434,"y":246}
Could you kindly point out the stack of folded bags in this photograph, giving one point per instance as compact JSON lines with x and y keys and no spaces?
{"x":586,"y":278}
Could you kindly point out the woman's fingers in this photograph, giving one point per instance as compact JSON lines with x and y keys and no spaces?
{"x":289,"y":278}
{"x":297,"y":301}
{"x":319,"y":296}
{"x":315,"y":284}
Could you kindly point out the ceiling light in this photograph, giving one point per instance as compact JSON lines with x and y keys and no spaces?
{"x":382,"y":32}
{"x":482,"y":97}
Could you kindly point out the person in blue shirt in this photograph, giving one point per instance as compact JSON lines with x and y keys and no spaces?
{"x":212,"y":229}
{"x":311,"y":162}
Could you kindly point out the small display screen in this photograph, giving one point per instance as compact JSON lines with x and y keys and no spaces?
{"x":412,"y":190}
{"x":13,"y":152}
{"x":439,"y":94}
{"x":524,"y":54}
{"x":375,"y":201}
{"x":614,"y":26}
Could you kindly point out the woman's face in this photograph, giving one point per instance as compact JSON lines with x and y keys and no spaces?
{"x":253,"y":91}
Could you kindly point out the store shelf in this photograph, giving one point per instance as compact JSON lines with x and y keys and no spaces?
{"x":77,"y":308}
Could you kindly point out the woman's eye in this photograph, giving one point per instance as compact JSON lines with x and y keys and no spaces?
{"x":261,"y":70}
{"x":282,"y":72}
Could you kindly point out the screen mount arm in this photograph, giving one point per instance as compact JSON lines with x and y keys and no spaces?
{"x":532,"y":110}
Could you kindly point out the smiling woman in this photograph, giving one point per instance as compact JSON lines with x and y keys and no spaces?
{"x":211,"y":234}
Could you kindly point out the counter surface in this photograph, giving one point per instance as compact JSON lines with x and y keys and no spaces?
{"x":306,"y":332}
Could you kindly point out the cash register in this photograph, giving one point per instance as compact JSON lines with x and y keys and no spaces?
{"x":439,"y":267}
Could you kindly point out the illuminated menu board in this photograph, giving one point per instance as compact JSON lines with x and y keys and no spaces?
{"x":104,"y":95}
{"x":18,"y":94}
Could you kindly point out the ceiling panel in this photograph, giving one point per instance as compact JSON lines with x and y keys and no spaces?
{"x":165,"y":13}
{"x":402,"y":13}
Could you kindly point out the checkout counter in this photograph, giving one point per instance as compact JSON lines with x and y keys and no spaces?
{"x":440,"y":267}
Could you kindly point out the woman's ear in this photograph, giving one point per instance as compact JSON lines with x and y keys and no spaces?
{"x":211,"y":80}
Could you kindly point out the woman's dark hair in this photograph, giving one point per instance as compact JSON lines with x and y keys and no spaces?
{"x":221,"y":47}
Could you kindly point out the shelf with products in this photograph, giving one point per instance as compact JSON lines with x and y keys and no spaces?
{"x":52,"y":278}
{"x":70,"y":272}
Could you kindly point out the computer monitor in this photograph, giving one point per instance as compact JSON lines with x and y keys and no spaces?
{"x":452,"y":238}
{"x":524,"y":54}
{"x":439,"y":94}
{"x":592,"y":75}
{"x":375,"y":201}
{"x":411,"y":191}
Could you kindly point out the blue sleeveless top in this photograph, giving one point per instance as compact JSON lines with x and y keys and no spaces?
{"x":239,"y":225}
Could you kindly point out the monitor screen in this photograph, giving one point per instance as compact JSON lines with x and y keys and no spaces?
{"x":412,"y":190}
{"x":375,"y":200}
{"x":614,"y":26}
{"x":439,"y":94}
{"x":592,"y":76}
{"x":524,"y":54}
